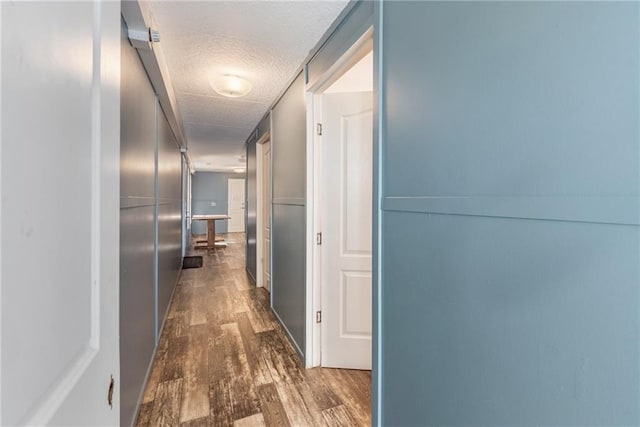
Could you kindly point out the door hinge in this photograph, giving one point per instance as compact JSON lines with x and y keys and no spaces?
{"x":318,"y":239}
{"x":110,"y":392}
{"x":318,"y":317}
{"x":319,"y":128}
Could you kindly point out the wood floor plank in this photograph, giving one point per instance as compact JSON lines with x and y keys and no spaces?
{"x":181,"y":296}
{"x":166,"y":405}
{"x":221,"y":308}
{"x":154,"y":378}
{"x":175,"y":358}
{"x":241,"y":280}
{"x":220,"y":402}
{"x":144,"y":415}
{"x":256,"y":420}
{"x":338,"y":416}
{"x":195,"y":393}
{"x":244,"y":399}
{"x":200,"y":422}
{"x":279,"y":358}
{"x":272,"y":409}
{"x":259,"y":368}
{"x":322,"y":392}
{"x":240,"y":304}
{"x":260,"y":322}
{"x":342,"y":382}
{"x":198,"y":308}
{"x":294,"y":405}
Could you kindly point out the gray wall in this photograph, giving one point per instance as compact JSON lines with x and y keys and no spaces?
{"x":150,"y":218}
{"x":169,"y":202}
{"x":288,"y":139}
{"x":251,"y":194}
{"x":210,"y":187}
{"x":137,"y":229}
{"x":510,"y":280}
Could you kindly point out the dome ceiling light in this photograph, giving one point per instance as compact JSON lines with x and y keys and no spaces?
{"x":231,"y":86}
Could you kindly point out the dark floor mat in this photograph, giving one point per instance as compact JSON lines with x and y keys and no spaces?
{"x":192,"y":262}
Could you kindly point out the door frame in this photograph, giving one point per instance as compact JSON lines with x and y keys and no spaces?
{"x":260,"y":208}
{"x":313,"y":94}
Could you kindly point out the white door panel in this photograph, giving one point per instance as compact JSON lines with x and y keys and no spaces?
{"x":266,"y":180}
{"x":236,"y":205}
{"x":346,"y":230}
{"x":60,"y":212}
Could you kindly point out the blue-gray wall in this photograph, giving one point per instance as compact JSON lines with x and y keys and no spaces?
{"x":142,"y":303}
{"x":288,"y":158}
{"x":210,"y":187}
{"x":509,"y":236}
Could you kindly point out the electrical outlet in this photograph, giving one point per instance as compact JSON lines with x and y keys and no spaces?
{"x":213,"y":203}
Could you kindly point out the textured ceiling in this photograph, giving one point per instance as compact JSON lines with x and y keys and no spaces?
{"x":262,"y":41}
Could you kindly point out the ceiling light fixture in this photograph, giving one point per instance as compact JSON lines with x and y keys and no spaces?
{"x":231,"y":86}
{"x":239,"y":170}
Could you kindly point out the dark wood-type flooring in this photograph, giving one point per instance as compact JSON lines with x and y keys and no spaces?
{"x":223,"y":359}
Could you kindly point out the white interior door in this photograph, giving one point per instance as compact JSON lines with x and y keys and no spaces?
{"x":185,"y":212}
{"x":236,"y":205}
{"x":346,"y":230}
{"x":266,"y":214}
{"x":60,"y":212}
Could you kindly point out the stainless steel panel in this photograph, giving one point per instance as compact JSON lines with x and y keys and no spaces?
{"x":137,"y":305}
{"x":137,"y":229}
{"x":169,"y":231}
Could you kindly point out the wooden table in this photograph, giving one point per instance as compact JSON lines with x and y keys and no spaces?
{"x":211,"y":242}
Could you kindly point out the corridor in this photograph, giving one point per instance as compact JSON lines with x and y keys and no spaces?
{"x":223,"y":359}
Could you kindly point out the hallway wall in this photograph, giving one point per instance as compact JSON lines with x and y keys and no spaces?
{"x":288,"y":234}
{"x":169,"y":215}
{"x":137,"y":229}
{"x":510,"y":244}
{"x":150,"y":225}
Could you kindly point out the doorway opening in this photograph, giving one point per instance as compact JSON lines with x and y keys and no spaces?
{"x":263,"y":223}
{"x":340,"y":217}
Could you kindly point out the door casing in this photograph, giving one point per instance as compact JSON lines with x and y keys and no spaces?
{"x":355,"y":53}
{"x":262,"y":206}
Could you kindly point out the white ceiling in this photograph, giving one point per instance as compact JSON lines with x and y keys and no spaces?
{"x":262,"y":41}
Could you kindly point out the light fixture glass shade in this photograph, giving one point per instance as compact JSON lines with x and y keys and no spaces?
{"x":231,"y":86}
